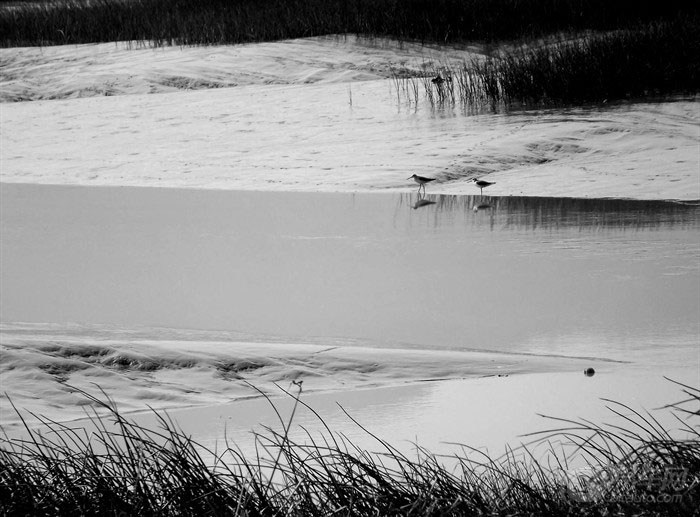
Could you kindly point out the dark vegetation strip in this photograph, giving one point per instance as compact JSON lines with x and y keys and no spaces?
{"x":616,"y":49}
{"x":202,"y":22}
{"x":663,"y":58}
{"x":636,"y":468}
{"x":656,"y":60}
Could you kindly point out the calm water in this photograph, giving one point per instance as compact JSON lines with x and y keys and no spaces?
{"x":594,"y":278}
{"x":486,"y":413}
{"x":604,"y":278}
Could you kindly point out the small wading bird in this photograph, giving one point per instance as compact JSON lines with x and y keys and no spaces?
{"x":482,"y":184}
{"x":421,"y":180}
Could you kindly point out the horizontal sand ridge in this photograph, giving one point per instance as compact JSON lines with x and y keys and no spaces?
{"x":169,"y":368}
{"x":133,"y":68}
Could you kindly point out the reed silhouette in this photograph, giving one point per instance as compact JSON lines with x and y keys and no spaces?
{"x":124,"y":468}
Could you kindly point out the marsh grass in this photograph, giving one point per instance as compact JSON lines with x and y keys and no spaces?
{"x":613,"y":50}
{"x":206,"y":22}
{"x":655,"y":60}
{"x":124,"y":469}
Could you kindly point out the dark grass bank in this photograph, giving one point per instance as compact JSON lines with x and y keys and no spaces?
{"x":637,"y":468}
{"x":656,"y":60}
{"x":602,"y":51}
{"x":206,"y":22}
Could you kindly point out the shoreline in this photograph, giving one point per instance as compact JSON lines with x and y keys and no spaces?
{"x":488,"y":413}
{"x":388,"y":191}
{"x":177,"y":374}
{"x":300,"y":264}
{"x":262,"y":138}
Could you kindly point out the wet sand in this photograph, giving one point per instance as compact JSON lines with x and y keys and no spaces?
{"x":487,"y":413}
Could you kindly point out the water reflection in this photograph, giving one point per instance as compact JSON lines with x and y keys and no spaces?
{"x":559,"y":277}
{"x":533,"y":213}
{"x":422,"y":201}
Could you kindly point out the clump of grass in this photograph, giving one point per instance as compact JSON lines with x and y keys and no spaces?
{"x":122,"y":468}
{"x":125,"y":468}
{"x":652,"y":60}
{"x":205,"y":22}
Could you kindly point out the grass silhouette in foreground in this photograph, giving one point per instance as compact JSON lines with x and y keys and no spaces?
{"x":126,"y":469}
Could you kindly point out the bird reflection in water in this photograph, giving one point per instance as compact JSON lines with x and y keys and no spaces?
{"x":421,"y":201}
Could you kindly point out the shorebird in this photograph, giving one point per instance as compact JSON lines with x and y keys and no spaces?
{"x":482,"y":184}
{"x":421,"y":180}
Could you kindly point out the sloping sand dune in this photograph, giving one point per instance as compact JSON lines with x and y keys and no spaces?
{"x":62,"y":72}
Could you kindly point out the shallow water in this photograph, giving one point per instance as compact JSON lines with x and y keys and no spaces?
{"x":601,"y":278}
{"x":488,"y":414}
